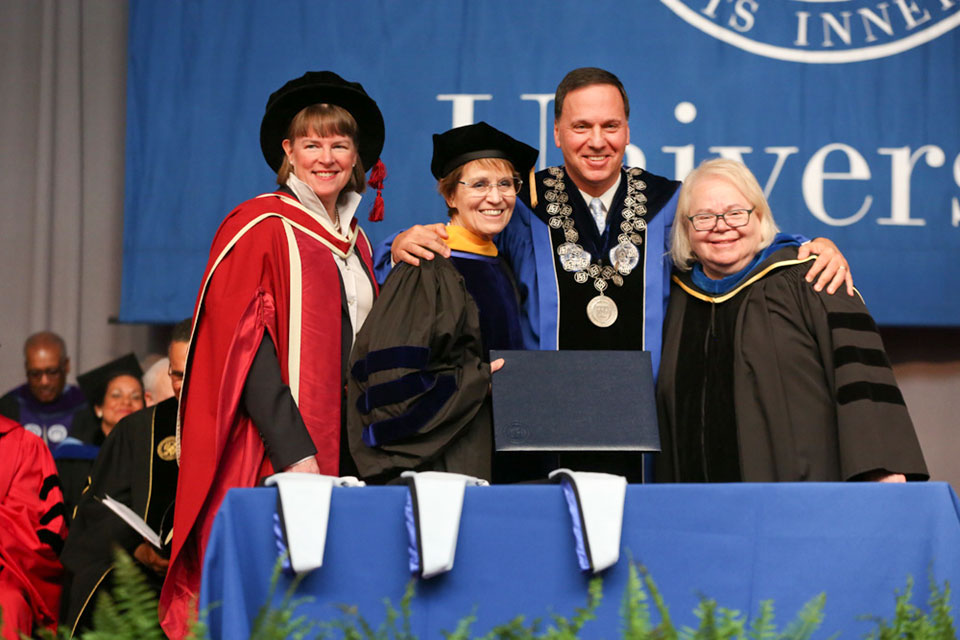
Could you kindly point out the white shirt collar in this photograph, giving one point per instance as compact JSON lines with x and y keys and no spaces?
{"x":347,"y":205}
{"x":606,"y":198}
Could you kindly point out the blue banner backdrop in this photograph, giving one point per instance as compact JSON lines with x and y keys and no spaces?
{"x":845,"y":109}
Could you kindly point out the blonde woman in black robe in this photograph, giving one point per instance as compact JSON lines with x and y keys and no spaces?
{"x":764,"y":379}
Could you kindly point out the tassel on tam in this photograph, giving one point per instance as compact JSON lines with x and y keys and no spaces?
{"x":377,"y":176}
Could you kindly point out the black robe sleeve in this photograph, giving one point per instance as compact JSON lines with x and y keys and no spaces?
{"x":271,"y":407}
{"x":417,"y":392}
{"x":874,"y":429}
{"x":9,"y":407}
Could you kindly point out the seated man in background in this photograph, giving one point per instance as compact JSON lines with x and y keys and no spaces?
{"x":33,"y":525}
{"x":45,"y":404}
{"x":137,"y":466}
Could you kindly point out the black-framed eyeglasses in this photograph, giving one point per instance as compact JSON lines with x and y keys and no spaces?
{"x":506,"y":187}
{"x":708,"y":221}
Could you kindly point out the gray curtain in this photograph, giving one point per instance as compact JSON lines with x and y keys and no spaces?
{"x":62,"y":101}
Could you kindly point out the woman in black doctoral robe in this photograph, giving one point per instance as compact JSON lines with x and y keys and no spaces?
{"x":420,"y":375}
{"x":763,"y":378}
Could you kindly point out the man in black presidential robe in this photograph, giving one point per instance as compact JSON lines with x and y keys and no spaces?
{"x":137,"y":466}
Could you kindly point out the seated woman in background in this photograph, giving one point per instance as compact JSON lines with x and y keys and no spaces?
{"x":114,"y":390}
{"x":764,"y":379}
{"x":418,"y":394}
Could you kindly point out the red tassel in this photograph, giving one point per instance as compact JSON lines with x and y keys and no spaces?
{"x":377,"y":175}
{"x":376,"y":213}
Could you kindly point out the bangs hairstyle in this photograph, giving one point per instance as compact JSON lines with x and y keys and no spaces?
{"x":447,"y":185}
{"x":325,"y":120}
{"x":737,"y":174}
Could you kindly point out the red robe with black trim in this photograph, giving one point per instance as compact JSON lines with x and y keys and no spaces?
{"x":272,"y":270}
{"x":32,"y":529}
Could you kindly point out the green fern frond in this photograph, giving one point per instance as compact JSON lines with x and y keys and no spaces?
{"x":278,"y":622}
{"x":808,"y":620}
{"x":130,"y":609}
{"x":634,"y":609}
{"x":762,"y":627}
{"x":665,"y":630}
{"x":462,"y":630}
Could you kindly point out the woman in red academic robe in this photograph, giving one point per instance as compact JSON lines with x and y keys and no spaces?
{"x":288,"y":284}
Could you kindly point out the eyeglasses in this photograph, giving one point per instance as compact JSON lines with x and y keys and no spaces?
{"x":708,"y":221}
{"x":50,"y":372}
{"x":507,"y":187}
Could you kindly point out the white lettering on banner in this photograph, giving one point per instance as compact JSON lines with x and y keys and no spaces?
{"x":463,"y":106}
{"x":830,"y":23}
{"x":814,"y":177}
{"x":909,"y":11}
{"x":742,"y":19}
{"x":782,"y":154}
{"x":543,"y":99}
{"x":683,"y":164}
{"x":903,"y":161}
{"x":901,"y":169}
{"x":635,"y":157}
{"x":845,"y":38}
{"x":869,"y":16}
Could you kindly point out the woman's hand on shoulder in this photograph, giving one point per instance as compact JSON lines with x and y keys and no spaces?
{"x":830,"y":266}
{"x":496,"y":365}
{"x":420,"y":241}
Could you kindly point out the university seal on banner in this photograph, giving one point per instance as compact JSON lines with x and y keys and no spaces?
{"x":821,"y":31}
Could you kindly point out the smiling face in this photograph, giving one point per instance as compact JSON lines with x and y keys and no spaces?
{"x":724,"y":250}
{"x":324,"y":163}
{"x":124,"y":395}
{"x":485,"y":215}
{"x":592,"y":132}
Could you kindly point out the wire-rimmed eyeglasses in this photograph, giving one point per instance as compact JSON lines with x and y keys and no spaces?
{"x":507,"y":187}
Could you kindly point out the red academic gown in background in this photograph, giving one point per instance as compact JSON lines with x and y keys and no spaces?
{"x":272,"y":270}
{"x":32,"y":529}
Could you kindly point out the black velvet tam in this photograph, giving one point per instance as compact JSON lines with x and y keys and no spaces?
{"x":461,"y":145}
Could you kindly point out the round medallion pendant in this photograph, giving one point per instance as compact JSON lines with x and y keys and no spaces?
{"x":602,"y":311}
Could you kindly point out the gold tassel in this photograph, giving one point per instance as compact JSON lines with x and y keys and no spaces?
{"x":533,"y":188}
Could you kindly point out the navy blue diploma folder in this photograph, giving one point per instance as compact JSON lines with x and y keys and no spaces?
{"x":574,"y":401}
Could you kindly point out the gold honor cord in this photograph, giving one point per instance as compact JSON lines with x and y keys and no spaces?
{"x":730,"y":294}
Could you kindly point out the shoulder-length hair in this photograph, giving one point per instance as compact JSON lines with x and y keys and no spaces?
{"x":737,"y":174}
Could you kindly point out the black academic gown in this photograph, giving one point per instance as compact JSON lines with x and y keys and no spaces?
{"x":776,"y":382}
{"x":418,"y":391}
{"x":137,"y":465}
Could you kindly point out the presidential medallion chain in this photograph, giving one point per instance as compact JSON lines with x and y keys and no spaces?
{"x":601,"y":310}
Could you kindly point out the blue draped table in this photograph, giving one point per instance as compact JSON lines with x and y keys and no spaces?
{"x":738,"y":544}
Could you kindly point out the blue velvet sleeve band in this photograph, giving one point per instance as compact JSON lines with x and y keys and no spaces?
{"x":392,"y":358}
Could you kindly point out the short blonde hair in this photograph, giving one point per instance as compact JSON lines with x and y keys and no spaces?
{"x":738,"y":175}
{"x":447,"y":185}
{"x":325,"y":120}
